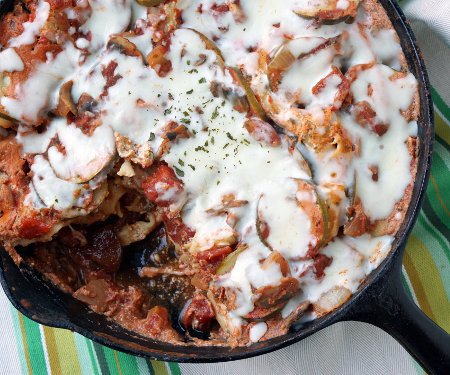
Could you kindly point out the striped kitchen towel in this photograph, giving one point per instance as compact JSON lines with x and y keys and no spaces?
{"x":345,"y":348}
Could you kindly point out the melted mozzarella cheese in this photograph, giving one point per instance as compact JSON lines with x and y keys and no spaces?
{"x":31,"y":28}
{"x":72,"y":165}
{"x":365,"y":48}
{"x":52,"y":191}
{"x":289,"y":225}
{"x":306,"y":73}
{"x":353,"y":259}
{"x":262,"y":24}
{"x":10,"y":61}
{"x":258,"y":331}
{"x":39,"y":92}
{"x":220,"y":158}
{"x":108,"y":17}
{"x":388,"y":152}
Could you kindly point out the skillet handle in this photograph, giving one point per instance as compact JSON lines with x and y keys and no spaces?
{"x":387,"y":305}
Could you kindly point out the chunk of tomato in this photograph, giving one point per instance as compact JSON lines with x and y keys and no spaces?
{"x":162,"y":187}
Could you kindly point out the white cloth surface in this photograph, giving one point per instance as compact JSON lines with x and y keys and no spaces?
{"x":430,"y":21}
{"x":351,"y":348}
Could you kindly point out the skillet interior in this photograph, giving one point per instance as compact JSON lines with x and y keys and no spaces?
{"x":44,"y":303}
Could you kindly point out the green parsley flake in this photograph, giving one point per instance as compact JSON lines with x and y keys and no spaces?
{"x":178,"y":171}
{"x":215,"y":114}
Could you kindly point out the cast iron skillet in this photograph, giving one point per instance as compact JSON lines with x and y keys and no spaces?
{"x":381,"y":300}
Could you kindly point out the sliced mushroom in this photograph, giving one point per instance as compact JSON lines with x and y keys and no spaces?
{"x":329,"y":9}
{"x":125,"y":46}
{"x":65,"y":102}
{"x":158,"y":61}
{"x":263,"y":313}
{"x":6,"y":121}
{"x":149,"y":3}
{"x":271,"y":295}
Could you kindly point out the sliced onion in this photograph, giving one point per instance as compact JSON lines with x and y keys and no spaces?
{"x":316,"y":210}
{"x":135,"y":232}
{"x":276,"y":257}
{"x":262,"y":227}
{"x":255,"y":106}
{"x":282,"y":60}
{"x":94,"y":293}
{"x":295,"y":150}
{"x":331,"y":300}
{"x":211,"y":46}
{"x":229,"y":262}
{"x":223,"y":317}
